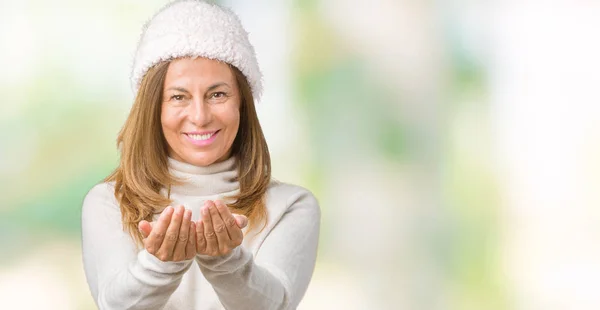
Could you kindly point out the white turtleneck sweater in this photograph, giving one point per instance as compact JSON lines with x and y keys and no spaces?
{"x":270,"y":270}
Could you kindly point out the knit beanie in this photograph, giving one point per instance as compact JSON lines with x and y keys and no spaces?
{"x":191,"y":28}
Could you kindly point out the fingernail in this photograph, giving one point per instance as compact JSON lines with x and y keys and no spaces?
{"x":243,"y":220}
{"x":166,"y":212}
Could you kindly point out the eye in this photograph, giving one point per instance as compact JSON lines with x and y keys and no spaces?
{"x":177,"y":97}
{"x":218,"y":95}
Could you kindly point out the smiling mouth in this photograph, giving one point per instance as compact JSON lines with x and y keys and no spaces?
{"x":201,"y":137}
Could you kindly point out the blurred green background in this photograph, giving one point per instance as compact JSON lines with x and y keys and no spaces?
{"x":453,"y":145}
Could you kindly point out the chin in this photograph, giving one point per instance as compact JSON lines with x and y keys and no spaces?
{"x":203,"y":159}
{"x":202,"y":162}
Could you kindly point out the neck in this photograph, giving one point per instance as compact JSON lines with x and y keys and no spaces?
{"x":218,"y":178}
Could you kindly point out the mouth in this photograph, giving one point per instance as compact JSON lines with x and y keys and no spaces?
{"x":201,"y":138}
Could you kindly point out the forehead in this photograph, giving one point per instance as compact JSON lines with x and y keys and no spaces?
{"x":198,"y":71}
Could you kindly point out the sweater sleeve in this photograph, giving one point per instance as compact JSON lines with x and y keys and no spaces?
{"x":278,"y":276}
{"x":120,"y":276}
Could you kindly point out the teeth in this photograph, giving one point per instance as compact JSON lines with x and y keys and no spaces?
{"x":200,"y":137}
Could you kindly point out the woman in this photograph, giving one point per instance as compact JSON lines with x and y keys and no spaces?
{"x":167,"y":229}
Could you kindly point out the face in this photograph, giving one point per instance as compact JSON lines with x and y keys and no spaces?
{"x":200,"y":112}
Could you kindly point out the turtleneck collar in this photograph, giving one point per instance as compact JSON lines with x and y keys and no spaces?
{"x":216,"y":179}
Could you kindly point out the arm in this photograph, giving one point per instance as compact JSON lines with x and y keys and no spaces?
{"x":118,"y":274}
{"x":279,"y":275}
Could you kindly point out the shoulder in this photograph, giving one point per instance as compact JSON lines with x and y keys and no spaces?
{"x":102,"y":191}
{"x":284,"y":197}
{"x":101,"y":197}
{"x":282,"y":190}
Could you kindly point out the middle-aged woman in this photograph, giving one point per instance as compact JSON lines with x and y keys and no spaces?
{"x":191,"y":218}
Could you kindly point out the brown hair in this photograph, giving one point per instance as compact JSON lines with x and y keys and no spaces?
{"x":143,"y":169}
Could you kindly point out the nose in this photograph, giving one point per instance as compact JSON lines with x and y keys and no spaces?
{"x":200,"y":114}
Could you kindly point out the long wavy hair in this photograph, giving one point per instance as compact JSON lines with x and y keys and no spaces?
{"x":143,"y":169}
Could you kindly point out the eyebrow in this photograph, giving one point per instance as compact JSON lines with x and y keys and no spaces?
{"x":183,"y":90}
{"x":212,"y":87}
{"x":217,"y":85}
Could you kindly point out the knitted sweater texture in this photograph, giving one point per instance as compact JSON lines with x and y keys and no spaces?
{"x":270,"y":270}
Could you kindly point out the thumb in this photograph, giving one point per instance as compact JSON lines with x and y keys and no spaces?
{"x":145,"y":228}
{"x":241,"y":220}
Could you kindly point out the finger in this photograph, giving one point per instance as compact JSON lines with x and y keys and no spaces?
{"x":200,"y":240}
{"x":190,"y":250}
{"x":145,"y":228}
{"x":212,"y":245}
{"x":241,"y":220}
{"x":171,"y":236}
{"x":223,"y":238}
{"x":233,"y":231}
{"x":183,"y":236}
{"x":157,"y":234}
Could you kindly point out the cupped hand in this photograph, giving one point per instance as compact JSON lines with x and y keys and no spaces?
{"x":171,"y":237}
{"x":146,"y":227}
{"x":219,"y":231}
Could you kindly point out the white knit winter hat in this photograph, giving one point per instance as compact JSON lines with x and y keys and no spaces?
{"x":196,"y":28}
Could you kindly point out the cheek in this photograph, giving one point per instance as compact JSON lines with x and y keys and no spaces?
{"x":168,"y":119}
{"x":237,"y":119}
{"x":234,"y":122}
